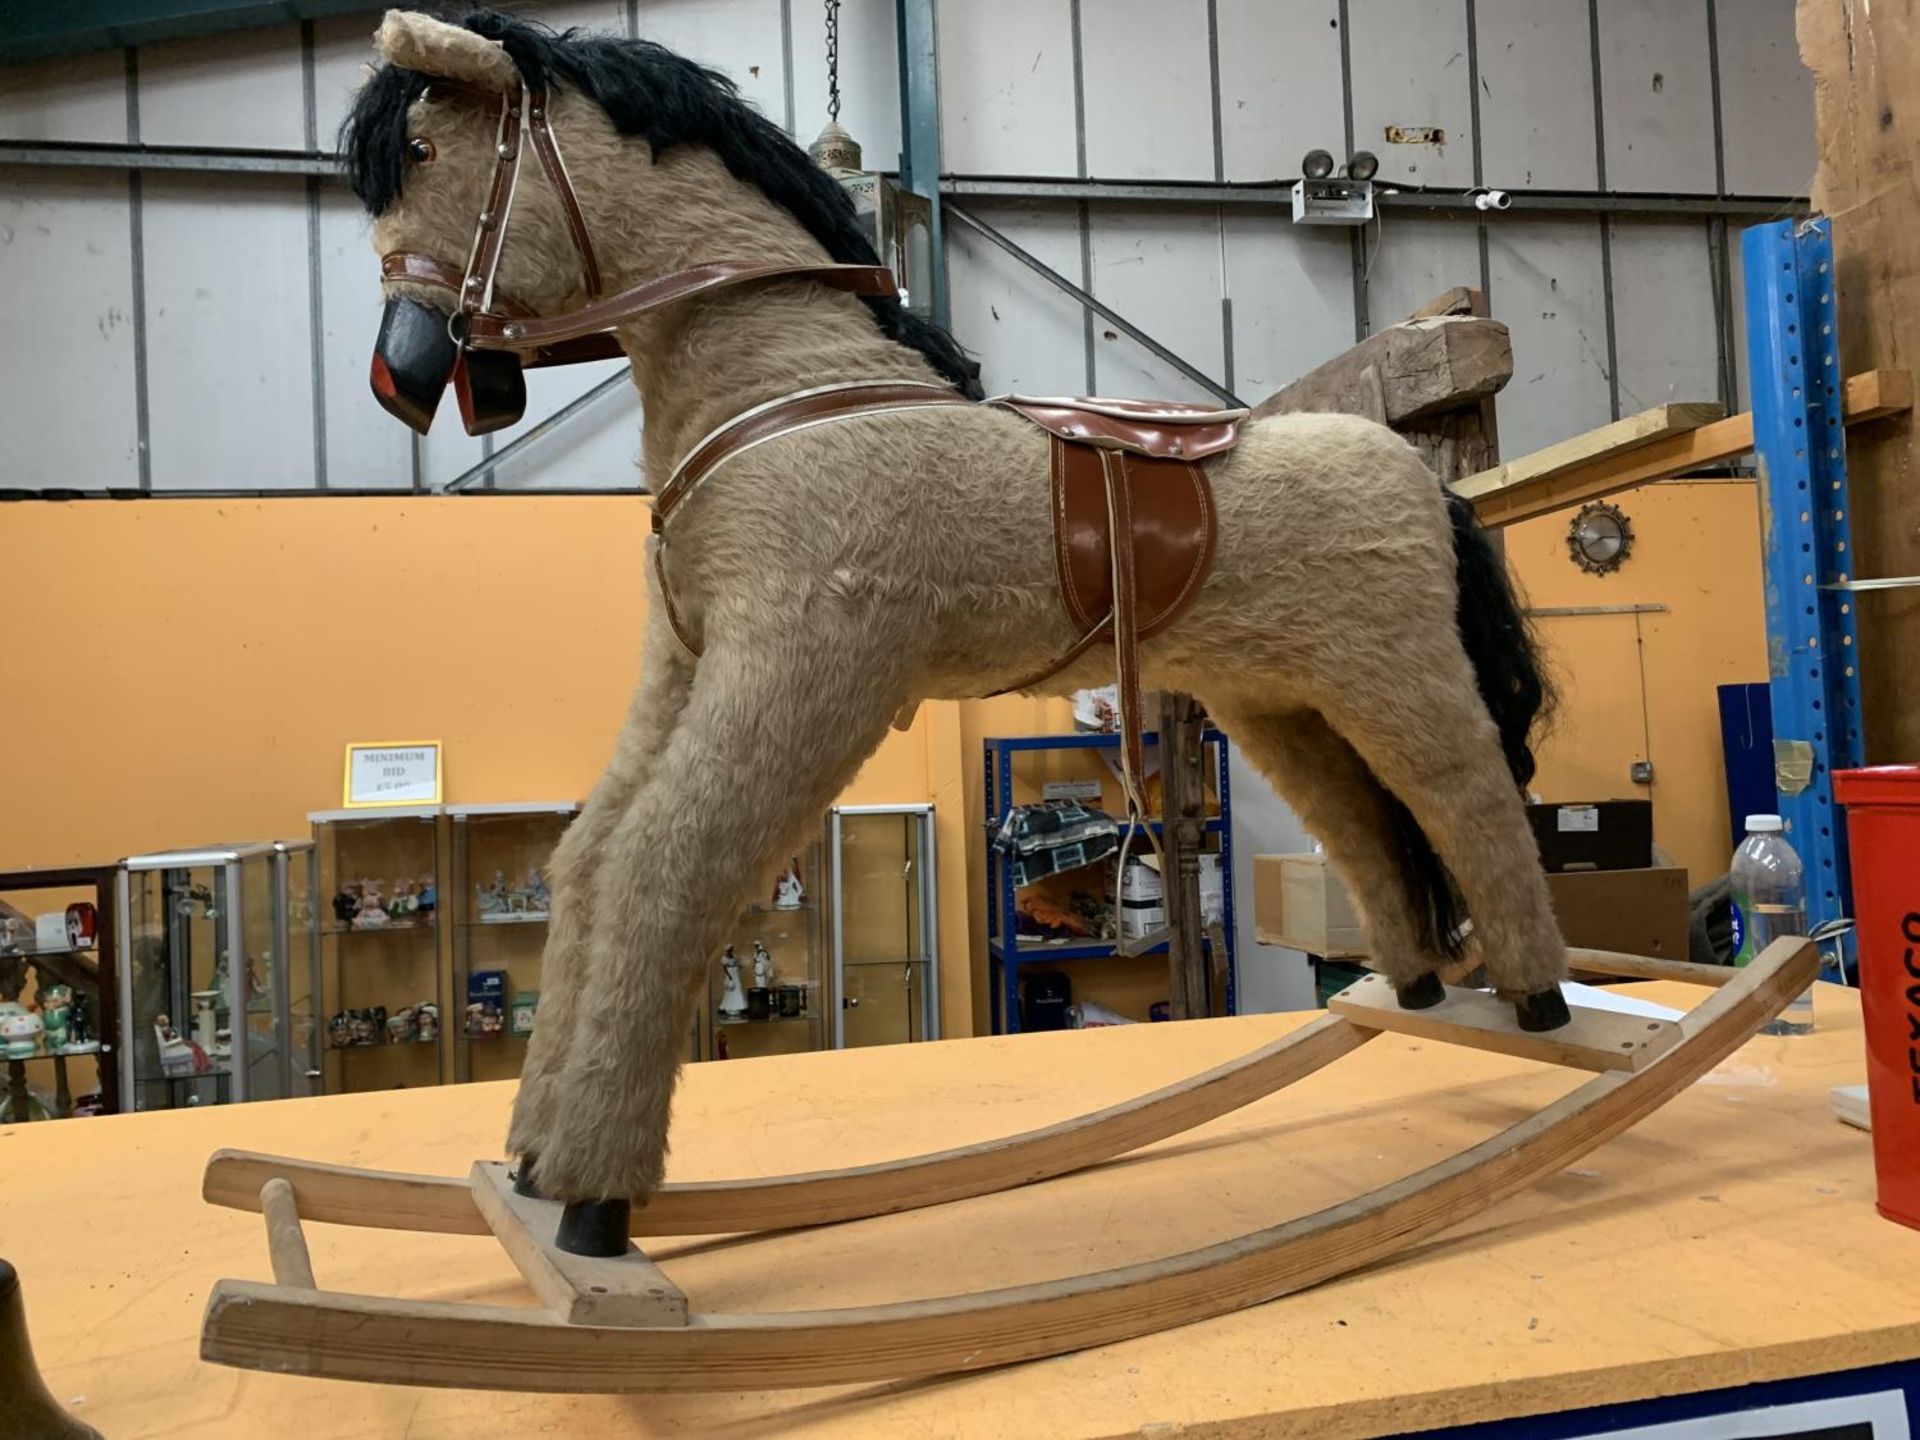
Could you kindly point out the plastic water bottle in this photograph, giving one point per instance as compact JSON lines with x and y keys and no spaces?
{"x":1770,"y":900}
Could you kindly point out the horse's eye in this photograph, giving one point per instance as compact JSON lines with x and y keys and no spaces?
{"x":419,"y":150}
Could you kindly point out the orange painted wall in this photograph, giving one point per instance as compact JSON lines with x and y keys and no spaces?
{"x":1697,"y":551}
{"x":188,"y":671}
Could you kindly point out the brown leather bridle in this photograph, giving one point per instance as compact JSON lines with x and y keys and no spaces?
{"x":489,"y":336}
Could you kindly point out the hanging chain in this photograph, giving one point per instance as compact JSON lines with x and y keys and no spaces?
{"x":833,"y":59}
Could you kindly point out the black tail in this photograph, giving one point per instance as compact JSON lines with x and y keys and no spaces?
{"x":1506,"y":662}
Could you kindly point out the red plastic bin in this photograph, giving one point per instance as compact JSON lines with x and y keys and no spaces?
{"x":1883,"y":832}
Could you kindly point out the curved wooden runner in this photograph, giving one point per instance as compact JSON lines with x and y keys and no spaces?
{"x":392,"y":1200}
{"x":344,"y":1196}
{"x":353,"y":1337}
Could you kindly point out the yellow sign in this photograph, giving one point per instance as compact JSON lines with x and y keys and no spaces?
{"x":391,"y":772}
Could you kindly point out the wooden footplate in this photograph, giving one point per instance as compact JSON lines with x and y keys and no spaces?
{"x":619,"y":1325}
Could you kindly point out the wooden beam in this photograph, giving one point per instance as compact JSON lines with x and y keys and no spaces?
{"x":1867,"y":131}
{"x":1596,"y":1040}
{"x":1405,"y":372}
{"x":1871,"y":395}
{"x":1615,"y":439}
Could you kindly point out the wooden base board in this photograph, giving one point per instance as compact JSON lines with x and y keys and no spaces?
{"x":1596,"y":1040}
{"x":579,"y":1289}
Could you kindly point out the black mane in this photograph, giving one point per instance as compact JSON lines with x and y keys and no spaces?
{"x":649,"y":91}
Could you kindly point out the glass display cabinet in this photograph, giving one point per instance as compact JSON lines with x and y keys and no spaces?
{"x":296,"y":935}
{"x":770,"y":998}
{"x":500,"y":900}
{"x":383,"y":987}
{"x":59,"y":993}
{"x":886,"y":931}
{"x":203,"y":978}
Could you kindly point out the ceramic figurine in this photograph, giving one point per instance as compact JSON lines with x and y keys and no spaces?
{"x":762,"y":966}
{"x":56,"y":1013}
{"x":403,"y":904}
{"x":204,"y":1019}
{"x":492,"y":899}
{"x":79,"y":1023}
{"x":20,"y":1030}
{"x":372,"y":914}
{"x":427,"y":896}
{"x":733,"y":1000}
{"x":789,"y":893}
{"x":177,"y":1056}
{"x":83,"y":923}
{"x":340,"y":1031}
{"x":539,"y":898}
{"x":346,"y":905}
{"x":400,"y":1026}
{"x":426,"y":1020}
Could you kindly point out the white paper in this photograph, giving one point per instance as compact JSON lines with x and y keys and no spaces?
{"x":394,"y":775}
{"x":1574,"y":818}
{"x":1620,"y":1002}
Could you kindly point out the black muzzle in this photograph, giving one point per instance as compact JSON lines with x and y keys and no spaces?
{"x":491,"y":390}
{"x":414,"y":357}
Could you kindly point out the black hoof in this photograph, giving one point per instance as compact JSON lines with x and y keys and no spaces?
{"x":594,"y":1227}
{"x":524,"y":1185}
{"x":1542,"y":1010}
{"x":1421,"y":994}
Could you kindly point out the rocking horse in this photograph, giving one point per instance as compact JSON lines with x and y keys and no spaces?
{"x":844,"y":528}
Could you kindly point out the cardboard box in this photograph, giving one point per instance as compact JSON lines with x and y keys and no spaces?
{"x":1637,"y":912}
{"x":1299,"y":902}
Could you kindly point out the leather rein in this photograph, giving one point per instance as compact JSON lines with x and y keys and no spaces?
{"x":486,"y":319}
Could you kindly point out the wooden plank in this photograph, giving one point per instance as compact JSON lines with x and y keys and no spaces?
{"x":1645,"y":967}
{"x":622,"y":1290}
{"x":387,"y":1200}
{"x":1869,"y":395}
{"x":1606,"y":441}
{"x":342,"y":1195}
{"x":1406,"y":371}
{"x":356,"y":1337}
{"x":1597,"y":1040}
{"x":286,"y":1244}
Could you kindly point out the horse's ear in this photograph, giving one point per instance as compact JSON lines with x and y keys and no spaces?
{"x":418,"y":42}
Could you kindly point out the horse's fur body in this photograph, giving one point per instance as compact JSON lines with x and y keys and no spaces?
{"x":838,"y":575}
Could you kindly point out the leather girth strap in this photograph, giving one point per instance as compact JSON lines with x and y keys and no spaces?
{"x":821,"y":405}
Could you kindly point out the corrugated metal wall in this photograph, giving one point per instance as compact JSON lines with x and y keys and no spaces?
{"x":203,"y":332}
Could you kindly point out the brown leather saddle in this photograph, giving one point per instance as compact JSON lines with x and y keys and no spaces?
{"x":1133,"y":524}
{"x":1133,"y":517}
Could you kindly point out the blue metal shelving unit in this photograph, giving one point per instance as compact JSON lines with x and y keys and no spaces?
{"x":1799,"y":435}
{"x":1005,"y":952}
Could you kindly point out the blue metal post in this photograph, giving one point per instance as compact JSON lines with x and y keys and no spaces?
{"x":1800,"y":437}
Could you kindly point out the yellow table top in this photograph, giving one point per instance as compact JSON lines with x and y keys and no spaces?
{"x":1729,"y":1238}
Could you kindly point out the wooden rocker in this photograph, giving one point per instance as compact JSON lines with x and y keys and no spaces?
{"x":619,"y":1325}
